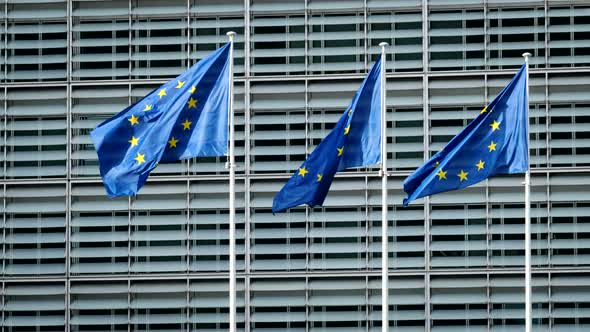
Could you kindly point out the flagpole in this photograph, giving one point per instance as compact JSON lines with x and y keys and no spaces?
{"x":384,"y":220}
{"x":232,"y":194}
{"x":528,"y":307}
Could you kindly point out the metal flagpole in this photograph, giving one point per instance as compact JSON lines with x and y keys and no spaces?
{"x":528,"y":307}
{"x":232,"y":194}
{"x":384,"y":221}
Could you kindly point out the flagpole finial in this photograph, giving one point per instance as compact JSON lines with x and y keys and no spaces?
{"x":526,"y":55}
{"x":231,"y":35}
{"x":383,"y":44}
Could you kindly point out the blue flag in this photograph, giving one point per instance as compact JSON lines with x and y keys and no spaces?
{"x":495,"y":142}
{"x":354,"y":141}
{"x":184,"y":118}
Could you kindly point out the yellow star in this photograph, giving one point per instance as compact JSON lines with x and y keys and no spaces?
{"x":350,"y":112}
{"x":180,"y":84}
{"x":463,"y":175}
{"x":346,"y":130}
{"x":140,"y":158}
{"x":492,"y":146}
{"x":172,"y":142}
{"x":162,"y":93}
{"x":441,"y":174}
{"x":303,"y":171}
{"x":480,"y":165}
{"x":436,"y":163}
{"x":192,"y":103}
{"x":133,"y":119}
{"x":495,"y":125}
{"x":340,"y":151}
{"x":186,"y":124}
{"x":147,"y":108}
{"x":485,"y":109}
{"x":193,"y":89}
{"x":320,"y":177}
{"x":134,"y":141}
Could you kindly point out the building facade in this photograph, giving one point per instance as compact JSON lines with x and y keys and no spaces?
{"x":74,"y":260}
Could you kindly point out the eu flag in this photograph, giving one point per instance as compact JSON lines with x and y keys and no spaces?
{"x":184,"y":118}
{"x":353,"y":142}
{"x":495,"y":142}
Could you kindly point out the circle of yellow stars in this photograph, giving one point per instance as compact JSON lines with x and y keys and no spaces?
{"x":186,"y":125}
{"x":463,"y":176}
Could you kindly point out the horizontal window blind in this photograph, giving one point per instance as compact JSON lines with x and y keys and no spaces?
{"x":278,"y":303}
{"x":208,"y":304}
{"x":336,"y":42}
{"x":36,"y":41}
{"x":278,"y":44}
{"x":91,"y":106}
{"x":568,"y":36}
{"x":100,"y":47}
{"x":34,"y":306}
{"x":99,"y":305}
{"x":337,"y":303}
{"x":100,"y":229}
{"x":403,"y":31}
{"x":510,"y":31}
{"x":457,"y":40}
{"x":34,"y":229}
{"x":209,"y":225}
{"x":35,"y":133}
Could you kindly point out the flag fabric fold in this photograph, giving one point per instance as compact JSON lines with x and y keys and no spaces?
{"x":495,"y":142}
{"x":186,"y":117}
{"x":353,"y":142}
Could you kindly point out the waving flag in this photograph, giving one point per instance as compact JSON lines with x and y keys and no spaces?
{"x":495,"y":142}
{"x":353,"y":142}
{"x":184,"y":118}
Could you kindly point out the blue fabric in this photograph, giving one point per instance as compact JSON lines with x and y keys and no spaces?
{"x":184,"y":118}
{"x":354,"y":141}
{"x":495,"y":142}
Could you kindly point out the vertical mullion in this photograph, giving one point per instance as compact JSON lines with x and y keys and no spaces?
{"x":130,"y":40}
{"x":3,"y":308}
{"x":188,"y":303}
{"x":5,"y":103}
{"x":129,"y":328}
{"x":426,"y":132}
{"x":247,"y":144}
{"x":367,"y":254}
{"x":188,"y":63}
{"x":546,"y":30}
{"x":367,"y":221}
{"x":489,"y":253}
{"x":486,"y":37}
{"x":3,"y":236}
{"x":489,"y":302}
{"x":550,"y":308}
{"x":188,"y":226}
{"x":306,"y":42}
{"x":129,"y":224}
{"x":366,"y":36}
{"x":307,"y":309}
{"x":549,"y":245}
{"x":68,"y":161}
{"x":5,"y":134}
{"x":5,"y":45}
{"x":188,"y":34}
{"x":247,"y":89}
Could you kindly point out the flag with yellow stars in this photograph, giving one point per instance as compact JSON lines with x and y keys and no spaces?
{"x":495,"y":142}
{"x":186,"y":117}
{"x":354,"y":141}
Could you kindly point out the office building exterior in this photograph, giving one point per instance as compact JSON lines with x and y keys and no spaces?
{"x":75,"y":260}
